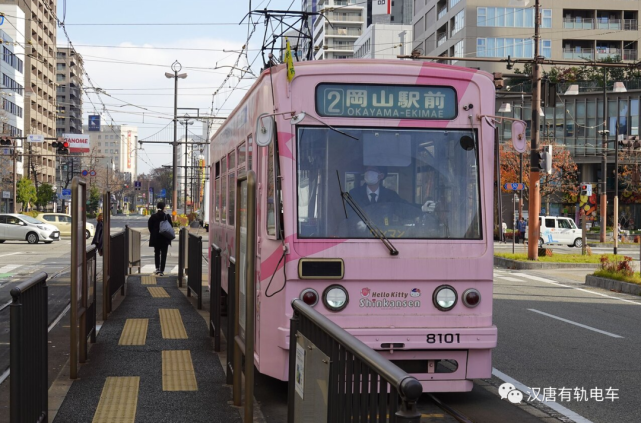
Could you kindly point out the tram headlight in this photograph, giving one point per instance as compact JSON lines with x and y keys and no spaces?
{"x":471,"y":298}
{"x":445,"y":297}
{"x":335,"y":297}
{"x":309,"y":297}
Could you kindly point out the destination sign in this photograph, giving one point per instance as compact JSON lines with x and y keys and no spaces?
{"x":386,"y":101}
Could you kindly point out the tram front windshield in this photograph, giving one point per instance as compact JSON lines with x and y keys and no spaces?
{"x":410,"y":183}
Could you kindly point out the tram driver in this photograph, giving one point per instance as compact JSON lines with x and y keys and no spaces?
{"x":383,"y":204}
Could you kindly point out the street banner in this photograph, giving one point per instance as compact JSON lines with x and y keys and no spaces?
{"x":35,"y":138}
{"x":78,"y":143}
{"x":94,"y":123}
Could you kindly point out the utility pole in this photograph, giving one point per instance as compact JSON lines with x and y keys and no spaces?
{"x":535,"y":194}
{"x":604,"y":164}
{"x":14,"y":208}
{"x":176,"y":67}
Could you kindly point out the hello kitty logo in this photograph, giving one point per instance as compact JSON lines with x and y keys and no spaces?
{"x":365,"y":292}
{"x":415,"y":292}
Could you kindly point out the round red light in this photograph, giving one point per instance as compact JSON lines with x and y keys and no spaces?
{"x":310,"y":297}
{"x":472,"y":298}
{"x":65,"y":144}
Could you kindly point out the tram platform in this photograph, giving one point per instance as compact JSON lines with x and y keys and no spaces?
{"x":153,"y":362}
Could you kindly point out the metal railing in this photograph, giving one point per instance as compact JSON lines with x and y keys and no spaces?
{"x":134,"y":242}
{"x":182,"y":255}
{"x":441,"y":40}
{"x":231,"y":312}
{"x":578,"y":54}
{"x":215,"y":300}
{"x":118,"y":268}
{"x":630,"y":25}
{"x":629,"y":54}
{"x":441,"y":13}
{"x":29,"y":355}
{"x":361,"y":384}
{"x":92,"y":308}
{"x":195,"y":268}
{"x":578,"y":23}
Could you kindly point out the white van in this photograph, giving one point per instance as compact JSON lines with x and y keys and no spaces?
{"x":558,"y":230}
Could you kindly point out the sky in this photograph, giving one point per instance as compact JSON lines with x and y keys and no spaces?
{"x":128,"y":62}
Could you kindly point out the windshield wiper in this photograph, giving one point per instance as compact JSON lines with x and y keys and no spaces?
{"x":366,"y":220}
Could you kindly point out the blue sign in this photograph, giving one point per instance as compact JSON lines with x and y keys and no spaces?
{"x":514,"y":186}
{"x":386,"y":101}
{"x":66,"y":194}
{"x":94,"y":122}
{"x":163,"y":193}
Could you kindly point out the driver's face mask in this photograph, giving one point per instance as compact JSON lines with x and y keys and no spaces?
{"x":371,"y":177}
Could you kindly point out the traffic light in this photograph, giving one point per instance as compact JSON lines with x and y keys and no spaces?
{"x":586,"y":189}
{"x":548,"y":93}
{"x":5,"y":140}
{"x":545,"y":159}
{"x":62,"y":146}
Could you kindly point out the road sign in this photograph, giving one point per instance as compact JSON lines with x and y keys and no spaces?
{"x":66,"y":194}
{"x":92,"y":173}
{"x":514,"y":186}
{"x":163,"y":193}
{"x":6,"y":194}
{"x":85,"y":172}
{"x":35,"y":138}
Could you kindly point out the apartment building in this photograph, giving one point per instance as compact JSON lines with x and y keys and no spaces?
{"x":69,"y":72}
{"x":39,"y":87}
{"x":336,"y":30}
{"x":570,"y":30}
{"x":115,"y":147}
{"x":384,"y":41}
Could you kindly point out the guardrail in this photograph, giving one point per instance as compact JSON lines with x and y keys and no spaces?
{"x":29,"y":355}
{"x":360,"y":385}
{"x":195,"y":268}
{"x":134,"y":242}
{"x":215,"y":300}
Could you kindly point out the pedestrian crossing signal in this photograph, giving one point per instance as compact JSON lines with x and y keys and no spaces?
{"x":5,"y":140}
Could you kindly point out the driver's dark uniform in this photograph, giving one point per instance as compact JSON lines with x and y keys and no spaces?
{"x":360,"y":195}
{"x":388,"y":207}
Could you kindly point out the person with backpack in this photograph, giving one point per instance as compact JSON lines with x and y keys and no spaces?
{"x":161,"y":232}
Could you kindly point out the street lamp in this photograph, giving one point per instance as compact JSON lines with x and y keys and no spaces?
{"x":186,"y":123}
{"x":176,"y":67}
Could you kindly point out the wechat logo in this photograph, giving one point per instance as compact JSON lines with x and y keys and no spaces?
{"x":507,"y":390}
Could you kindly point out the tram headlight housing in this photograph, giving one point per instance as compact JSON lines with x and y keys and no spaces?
{"x":309,"y":297}
{"x":445,"y":297}
{"x":471,"y":297}
{"x":335,"y":297}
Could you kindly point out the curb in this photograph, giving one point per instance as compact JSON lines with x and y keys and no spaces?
{"x":523,"y":265}
{"x":613,"y":285}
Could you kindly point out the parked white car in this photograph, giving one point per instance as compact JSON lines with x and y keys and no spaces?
{"x":558,"y":230}
{"x":26,"y":228}
{"x":63,"y":223}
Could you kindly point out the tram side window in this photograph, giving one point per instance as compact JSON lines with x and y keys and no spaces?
{"x":232,"y":198}
{"x":271,"y":190}
{"x":249,"y":152}
{"x":242,"y":154}
{"x":224,"y":191}
{"x":216,"y":196}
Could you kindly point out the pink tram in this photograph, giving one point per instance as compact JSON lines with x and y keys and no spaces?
{"x":374,"y":188}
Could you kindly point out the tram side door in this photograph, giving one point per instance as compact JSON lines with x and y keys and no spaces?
{"x":245,"y":262}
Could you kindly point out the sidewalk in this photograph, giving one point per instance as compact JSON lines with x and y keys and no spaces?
{"x":153,"y":362}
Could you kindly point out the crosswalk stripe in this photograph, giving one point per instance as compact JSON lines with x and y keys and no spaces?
{"x":8,"y":268}
{"x":148,"y":268}
{"x":507,"y":278}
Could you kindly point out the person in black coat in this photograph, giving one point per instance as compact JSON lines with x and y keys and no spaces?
{"x":156,"y":240}
{"x":97,"y":239}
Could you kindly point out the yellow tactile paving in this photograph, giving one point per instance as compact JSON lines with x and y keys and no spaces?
{"x":134,"y":332}
{"x":158,"y":292}
{"x":178,"y":371}
{"x":118,"y":400}
{"x":172,"y":324}
{"x":149,"y":280}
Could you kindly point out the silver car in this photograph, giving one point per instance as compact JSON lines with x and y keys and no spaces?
{"x":26,"y":228}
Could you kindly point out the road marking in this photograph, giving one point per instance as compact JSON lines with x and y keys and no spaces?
{"x":148,"y":268}
{"x":134,"y":332}
{"x":575,"y":323}
{"x":536,"y":278}
{"x":508,"y":278}
{"x":10,"y":254}
{"x":158,"y":292}
{"x":174,"y":271}
{"x":171,"y":324}
{"x":552,"y":404}
{"x":8,"y":268}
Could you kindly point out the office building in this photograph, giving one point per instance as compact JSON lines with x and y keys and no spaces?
{"x":116,"y":148}
{"x":570,"y":30}
{"x":69,"y":64}
{"x":39,"y":25}
{"x":384,"y":41}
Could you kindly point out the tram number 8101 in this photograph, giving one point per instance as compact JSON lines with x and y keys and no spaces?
{"x":447,"y":338}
